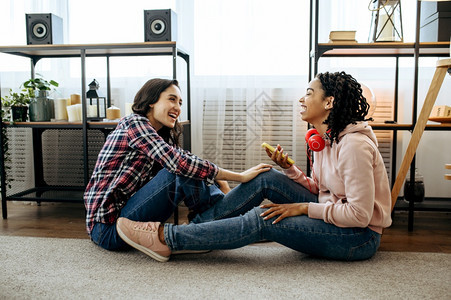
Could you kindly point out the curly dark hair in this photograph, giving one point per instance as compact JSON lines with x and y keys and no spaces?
{"x":349,"y":104}
{"x":149,"y":94}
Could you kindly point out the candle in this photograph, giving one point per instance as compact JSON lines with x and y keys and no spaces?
{"x":113,"y":113}
{"x":74,"y":113}
{"x":61,"y":109}
{"x":92,"y":111}
{"x":80,"y":112}
{"x":75,"y":99}
{"x":128,"y":108}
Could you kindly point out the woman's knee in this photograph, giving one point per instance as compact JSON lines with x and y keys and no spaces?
{"x":271,"y":174}
{"x":264,"y":179}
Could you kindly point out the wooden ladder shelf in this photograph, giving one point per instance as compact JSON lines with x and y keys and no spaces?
{"x":442,"y":67}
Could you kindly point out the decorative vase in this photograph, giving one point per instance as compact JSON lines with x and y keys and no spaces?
{"x":40,"y":107}
{"x":19,"y":113}
{"x":414,"y":191}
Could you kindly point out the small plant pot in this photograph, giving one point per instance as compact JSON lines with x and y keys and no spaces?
{"x":40,"y":107}
{"x":19,"y":113}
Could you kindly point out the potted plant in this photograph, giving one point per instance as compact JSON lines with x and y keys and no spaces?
{"x":16,"y":105}
{"x":39,"y":84}
{"x":40,"y":106}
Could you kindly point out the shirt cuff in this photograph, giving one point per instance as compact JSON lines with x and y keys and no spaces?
{"x":211,"y":179}
{"x":315,"y":210}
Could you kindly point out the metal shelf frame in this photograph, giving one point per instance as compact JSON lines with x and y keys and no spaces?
{"x":37,"y":52}
{"x":382,"y":49}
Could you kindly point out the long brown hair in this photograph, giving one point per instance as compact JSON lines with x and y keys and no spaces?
{"x":149,"y":94}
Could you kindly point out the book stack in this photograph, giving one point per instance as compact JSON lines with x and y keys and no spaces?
{"x":344,"y":36}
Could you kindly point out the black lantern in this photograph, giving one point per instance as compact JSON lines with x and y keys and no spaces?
{"x":97,"y":105}
{"x":386,"y":23}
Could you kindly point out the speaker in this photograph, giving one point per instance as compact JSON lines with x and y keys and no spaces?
{"x":314,"y":140}
{"x":44,"y":29}
{"x":160,"y":25}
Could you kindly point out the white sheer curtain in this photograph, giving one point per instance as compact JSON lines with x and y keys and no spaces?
{"x":251,"y":65}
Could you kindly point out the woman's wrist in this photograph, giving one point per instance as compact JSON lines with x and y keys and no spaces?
{"x":227,"y":175}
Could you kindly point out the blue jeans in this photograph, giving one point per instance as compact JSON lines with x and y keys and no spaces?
{"x":235,"y":221}
{"x":156,"y":201}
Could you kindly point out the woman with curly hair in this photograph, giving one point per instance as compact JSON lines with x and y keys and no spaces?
{"x":338,"y":213}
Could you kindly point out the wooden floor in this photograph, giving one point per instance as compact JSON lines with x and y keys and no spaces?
{"x":432,"y":230}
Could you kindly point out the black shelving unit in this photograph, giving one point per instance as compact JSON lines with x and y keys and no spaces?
{"x":386,"y":49}
{"x":42,"y":192}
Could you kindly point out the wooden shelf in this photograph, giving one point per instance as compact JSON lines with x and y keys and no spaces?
{"x":426,"y":205}
{"x":125,"y":49}
{"x":394,"y":50}
{"x":41,"y":191}
{"x":383,"y":49}
{"x":70,"y":125}
{"x":395,"y":126}
{"x":62,"y":125}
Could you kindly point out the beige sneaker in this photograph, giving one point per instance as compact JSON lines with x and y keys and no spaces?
{"x":144,"y":237}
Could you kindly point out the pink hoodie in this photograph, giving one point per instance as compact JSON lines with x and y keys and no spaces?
{"x":351,"y":181}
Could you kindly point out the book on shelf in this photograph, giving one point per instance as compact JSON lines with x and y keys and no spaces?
{"x":342,"y":35}
{"x":345,"y":42}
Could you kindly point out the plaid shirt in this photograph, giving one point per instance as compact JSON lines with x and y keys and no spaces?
{"x":124,"y":166}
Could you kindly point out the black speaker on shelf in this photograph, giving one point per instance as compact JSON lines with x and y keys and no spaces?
{"x":44,"y":29}
{"x":160,"y":25}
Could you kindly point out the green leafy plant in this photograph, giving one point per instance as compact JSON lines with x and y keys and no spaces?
{"x":13,"y":99}
{"x":16,"y":99}
{"x":39,"y":84}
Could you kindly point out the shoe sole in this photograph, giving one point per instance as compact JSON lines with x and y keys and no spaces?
{"x":178,"y":252}
{"x":143,"y":249}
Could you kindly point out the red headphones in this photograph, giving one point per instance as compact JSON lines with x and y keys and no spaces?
{"x":314,"y":140}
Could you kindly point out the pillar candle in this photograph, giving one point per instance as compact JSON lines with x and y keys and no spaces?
{"x":74,"y":113}
{"x":75,"y":99}
{"x":128,"y":108}
{"x":61,"y":109}
{"x":92,"y":111}
{"x":113,"y":113}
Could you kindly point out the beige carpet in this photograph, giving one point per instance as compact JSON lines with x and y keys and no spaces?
{"x":47,"y":268}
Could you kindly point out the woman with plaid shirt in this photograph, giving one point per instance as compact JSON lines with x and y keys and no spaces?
{"x":142,"y":174}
